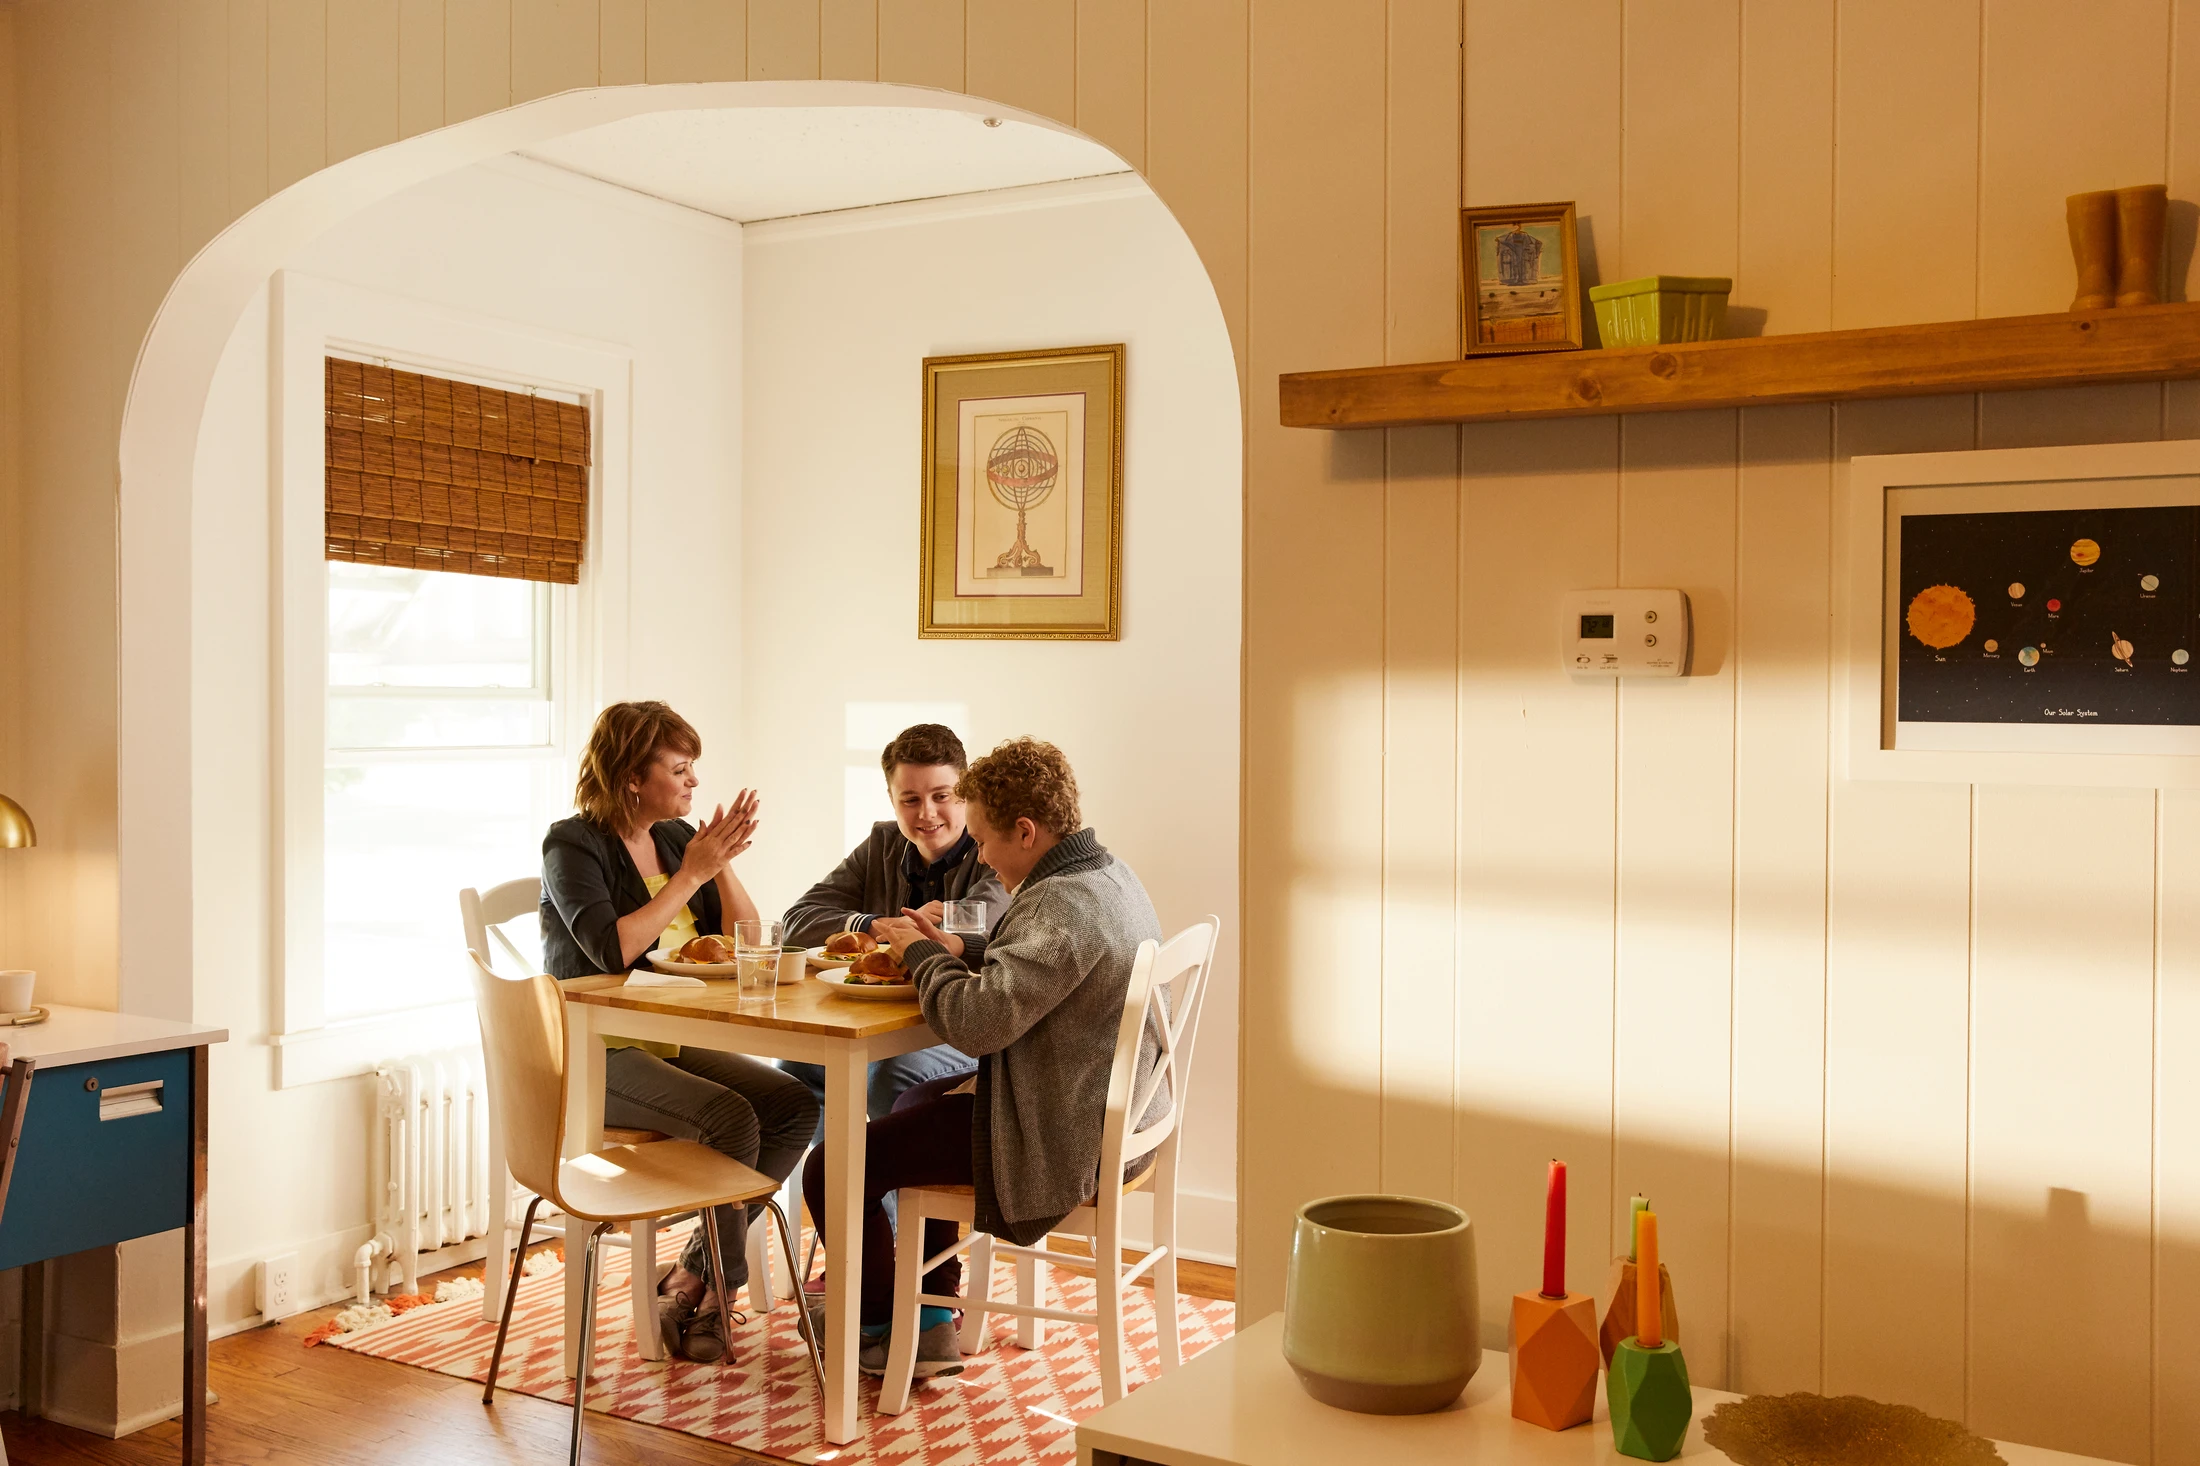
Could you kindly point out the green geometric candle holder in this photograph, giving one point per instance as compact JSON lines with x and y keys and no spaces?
{"x":1647,"y":1390}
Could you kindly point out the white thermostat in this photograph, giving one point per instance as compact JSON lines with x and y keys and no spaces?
{"x":1626,"y":633}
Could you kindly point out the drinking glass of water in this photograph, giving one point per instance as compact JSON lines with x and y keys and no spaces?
{"x":964,"y":918}
{"x":756,"y":958}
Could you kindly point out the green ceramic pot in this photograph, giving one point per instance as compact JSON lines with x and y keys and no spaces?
{"x":1382,"y":1307}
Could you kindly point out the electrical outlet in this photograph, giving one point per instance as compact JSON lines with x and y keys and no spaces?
{"x":279,"y":1286}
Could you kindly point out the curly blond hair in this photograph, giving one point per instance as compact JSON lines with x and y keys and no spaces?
{"x":1024,"y":779}
{"x":626,"y":739}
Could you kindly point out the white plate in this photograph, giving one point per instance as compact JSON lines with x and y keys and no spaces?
{"x":663,"y":960}
{"x":838,"y":978}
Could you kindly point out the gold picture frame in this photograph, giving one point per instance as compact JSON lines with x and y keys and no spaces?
{"x":1511,"y":299}
{"x":1022,"y":529}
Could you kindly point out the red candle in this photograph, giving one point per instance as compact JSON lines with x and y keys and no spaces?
{"x":1554,"y":1233}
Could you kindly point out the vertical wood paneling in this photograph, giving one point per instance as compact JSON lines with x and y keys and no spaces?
{"x":1024,"y":53}
{"x":1898,"y":943}
{"x":2175,"y":1416}
{"x":921,"y":42}
{"x":1538,"y":755}
{"x":2043,"y":138}
{"x":363,"y":87}
{"x":247,"y":104}
{"x":297,"y":91}
{"x":1784,"y":267}
{"x":2062,"y":1100}
{"x":1782,"y":615}
{"x":1906,"y":152}
{"x":1200,"y":138}
{"x":420,"y":26}
{"x":2184,"y":148}
{"x":1671,"y":1068}
{"x":202,"y":122}
{"x":146,"y":101}
{"x":698,"y":40}
{"x":1313,"y":662}
{"x":1680,"y":159}
{"x":847,"y":39}
{"x":14,"y":917}
{"x":783,"y":40}
{"x":1111,"y":75}
{"x":1420,"y":612}
{"x":622,"y":42}
{"x":477,"y":57}
{"x":553,"y":46}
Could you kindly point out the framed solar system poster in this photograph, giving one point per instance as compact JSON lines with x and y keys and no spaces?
{"x":1023,"y":496}
{"x":2025,"y":616}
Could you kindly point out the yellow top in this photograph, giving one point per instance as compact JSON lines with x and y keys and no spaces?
{"x":679,"y":934}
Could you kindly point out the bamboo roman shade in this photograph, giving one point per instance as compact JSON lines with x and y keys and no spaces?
{"x":433,"y":474}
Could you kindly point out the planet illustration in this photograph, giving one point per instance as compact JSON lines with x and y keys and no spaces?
{"x":2180,"y":657}
{"x":1940,"y":616}
{"x":2119,"y":648}
{"x":2016,"y":590}
{"x":2053,"y":604}
{"x":2150,"y":583}
{"x":2084,"y":552}
{"x":1993,"y":646}
{"x":2030,"y":656}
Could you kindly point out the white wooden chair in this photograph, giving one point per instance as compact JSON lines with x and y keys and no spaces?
{"x":1180,"y":968}
{"x":523,"y":1041}
{"x":484,"y":914}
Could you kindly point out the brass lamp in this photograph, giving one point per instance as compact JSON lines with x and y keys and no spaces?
{"x":15,"y":826}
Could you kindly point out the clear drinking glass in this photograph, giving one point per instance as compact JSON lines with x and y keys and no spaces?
{"x":963,"y":917}
{"x":756,"y":959}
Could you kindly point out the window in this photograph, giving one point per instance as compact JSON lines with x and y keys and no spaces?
{"x":443,"y":768}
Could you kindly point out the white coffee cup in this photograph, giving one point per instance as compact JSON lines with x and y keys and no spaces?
{"x":15,"y":990}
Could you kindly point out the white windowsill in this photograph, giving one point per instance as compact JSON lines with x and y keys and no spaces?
{"x":353,"y":1046}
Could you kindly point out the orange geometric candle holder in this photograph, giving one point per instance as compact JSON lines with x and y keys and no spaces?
{"x":1554,"y":1359}
{"x":1619,"y":1318}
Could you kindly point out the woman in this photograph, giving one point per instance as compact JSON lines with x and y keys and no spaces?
{"x":624,"y":875}
{"x":1040,"y":1013}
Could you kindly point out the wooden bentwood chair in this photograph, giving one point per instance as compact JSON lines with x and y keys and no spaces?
{"x":1180,"y":969}
{"x":523,"y":1041}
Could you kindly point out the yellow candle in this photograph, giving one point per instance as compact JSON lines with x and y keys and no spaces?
{"x":1649,"y":1305}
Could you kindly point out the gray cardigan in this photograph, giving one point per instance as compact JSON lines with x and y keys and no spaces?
{"x":871,"y":882}
{"x":1043,"y":1011}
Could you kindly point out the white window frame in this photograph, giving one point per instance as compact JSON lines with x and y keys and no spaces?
{"x":310,"y":318}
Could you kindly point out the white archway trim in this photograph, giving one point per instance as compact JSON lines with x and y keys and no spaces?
{"x":161,"y":947}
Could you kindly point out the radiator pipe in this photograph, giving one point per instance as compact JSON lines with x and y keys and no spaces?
{"x":362,"y":1264}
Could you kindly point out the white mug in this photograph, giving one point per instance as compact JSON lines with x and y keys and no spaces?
{"x":15,"y":990}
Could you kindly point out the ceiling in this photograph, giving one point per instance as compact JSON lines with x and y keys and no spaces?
{"x":751,"y":163}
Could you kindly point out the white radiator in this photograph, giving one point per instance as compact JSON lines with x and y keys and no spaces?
{"x":430,"y":1162}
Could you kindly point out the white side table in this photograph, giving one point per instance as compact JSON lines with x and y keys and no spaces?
{"x":1238,"y":1404}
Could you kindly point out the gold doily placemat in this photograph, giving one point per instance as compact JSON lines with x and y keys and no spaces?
{"x":1841,"y":1430}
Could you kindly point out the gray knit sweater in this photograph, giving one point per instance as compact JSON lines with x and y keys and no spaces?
{"x":1042,"y":1014}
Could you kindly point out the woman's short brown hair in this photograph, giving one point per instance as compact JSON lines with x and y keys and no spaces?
{"x":626,"y":739}
{"x":1024,"y":779}
{"x":925,"y":746}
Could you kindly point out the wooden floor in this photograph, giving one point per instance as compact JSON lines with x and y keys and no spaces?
{"x":283,"y":1403}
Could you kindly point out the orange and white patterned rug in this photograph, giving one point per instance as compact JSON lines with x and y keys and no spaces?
{"x":1008,"y":1405}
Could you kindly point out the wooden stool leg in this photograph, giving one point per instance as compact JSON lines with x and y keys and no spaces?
{"x":1107,"y":1292}
{"x":977,"y":1293}
{"x":901,"y":1348}
{"x":1164,"y":1271}
{"x":1031,"y":1289}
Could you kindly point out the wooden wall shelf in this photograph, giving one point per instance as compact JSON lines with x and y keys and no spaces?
{"x":2138,"y":344}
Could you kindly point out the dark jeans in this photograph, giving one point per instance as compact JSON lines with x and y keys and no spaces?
{"x":924,"y":1142}
{"x":738,"y":1106}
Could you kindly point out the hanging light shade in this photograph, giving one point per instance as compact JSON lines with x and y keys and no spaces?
{"x":15,"y":826}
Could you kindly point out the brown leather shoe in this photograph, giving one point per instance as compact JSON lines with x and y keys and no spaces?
{"x":705,"y":1339}
{"x":673,"y":1314}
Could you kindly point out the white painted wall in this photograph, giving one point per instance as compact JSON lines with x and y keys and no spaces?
{"x":535,"y":247}
{"x":840,"y":312}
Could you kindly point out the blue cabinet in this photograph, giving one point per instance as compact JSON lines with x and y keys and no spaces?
{"x":105,"y":1156}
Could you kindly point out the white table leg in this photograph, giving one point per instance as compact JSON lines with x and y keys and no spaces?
{"x":641,"y":1266}
{"x":500,"y":1224}
{"x":584,"y":1076}
{"x":845,"y":1072}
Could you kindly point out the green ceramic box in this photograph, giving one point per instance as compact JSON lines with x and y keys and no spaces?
{"x":1661,"y":308}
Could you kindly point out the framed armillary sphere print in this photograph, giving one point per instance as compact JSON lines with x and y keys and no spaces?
{"x":1023,"y":495}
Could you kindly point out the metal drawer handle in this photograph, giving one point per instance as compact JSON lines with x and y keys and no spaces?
{"x":126,"y":1100}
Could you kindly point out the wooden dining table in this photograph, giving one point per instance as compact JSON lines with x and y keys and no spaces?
{"x":810,"y":1021}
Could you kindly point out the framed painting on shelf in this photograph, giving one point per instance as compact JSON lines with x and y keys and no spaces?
{"x":1023,"y":496}
{"x":1521,"y":279}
